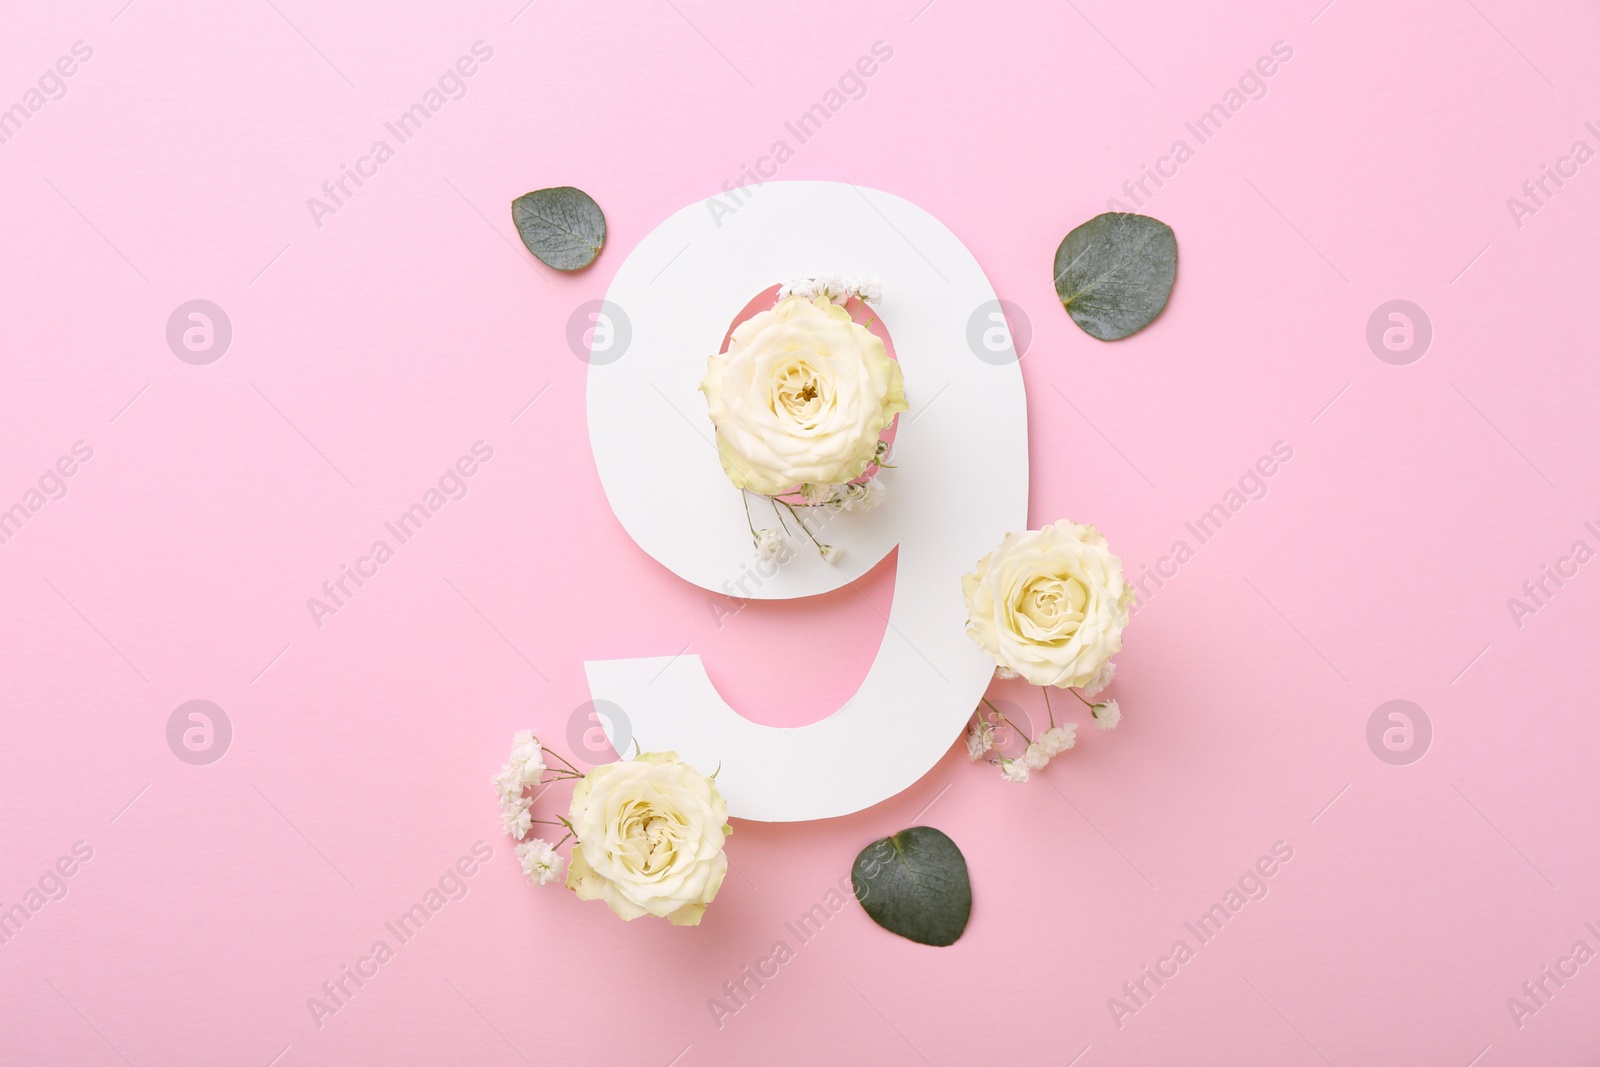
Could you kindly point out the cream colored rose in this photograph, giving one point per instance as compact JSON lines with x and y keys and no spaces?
{"x":649,"y":838}
{"x":800,"y":396}
{"x":1049,"y":604}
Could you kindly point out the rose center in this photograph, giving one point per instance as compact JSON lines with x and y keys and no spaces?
{"x":649,"y":840}
{"x":803,"y":404}
{"x":1051,"y":607}
{"x":799,"y":394}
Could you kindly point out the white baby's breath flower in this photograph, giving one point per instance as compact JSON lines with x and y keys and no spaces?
{"x":540,"y":862}
{"x":1094,"y":685}
{"x":516,"y":818}
{"x":803,"y":287}
{"x":1005,"y":673}
{"x":1058,"y":739}
{"x":860,"y":496}
{"x":771,"y":543}
{"x":508,"y":788}
{"x":1014,"y":770}
{"x":527,"y":757}
{"x":980,"y":739}
{"x":831,"y":553}
{"x":819,"y":495}
{"x":836,"y":287}
{"x":1035,"y":756}
{"x":1107,"y":714}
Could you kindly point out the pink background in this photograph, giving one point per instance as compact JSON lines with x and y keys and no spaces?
{"x":372,"y":351}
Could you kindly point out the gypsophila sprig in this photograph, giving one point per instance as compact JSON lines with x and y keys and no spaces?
{"x":837,"y":288}
{"x":771,"y":544}
{"x":1106,"y":715}
{"x":539,"y":860}
{"x":1094,"y":685}
{"x":524,"y":771}
{"x":1037,"y":752}
{"x":1014,"y":770}
{"x":980,"y":738}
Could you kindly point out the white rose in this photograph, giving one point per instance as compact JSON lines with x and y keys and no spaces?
{"x":1049,"y":604}
{"x":800,"y":396}
{"x":650,"y":836}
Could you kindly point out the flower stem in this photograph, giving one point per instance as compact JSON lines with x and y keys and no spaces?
{"x":1008,"y":722}
{"x":779,"y":514}
{"x":745,"y":498}
{"x":1047,"y":706}
{"x":563,"y":759}
{"x":1079,"y":695}
{"x":558,"y":775}
{"x":803,"y":526}
{"x":1018,"y":729}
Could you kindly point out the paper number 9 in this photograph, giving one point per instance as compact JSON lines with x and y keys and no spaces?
{"x":959,"y":484}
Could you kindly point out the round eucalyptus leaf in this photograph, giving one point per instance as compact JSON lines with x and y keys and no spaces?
{"x":1115,"y":272}
{"x":915,"y":884}
{"x":563,"y":226}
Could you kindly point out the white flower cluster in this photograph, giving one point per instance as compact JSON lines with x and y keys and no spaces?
{"x":1093,"y":686}
{"x":1036,"y":757}
{"x":981,"y":739}
{"x":539,"y":860}
{"x":772,"y":544}
{"x":1051,"y":743}
{"x":835,"y":287}
{"x":523,"y":772}
{"x":851,"y":496}
{"x":1054,"y":741}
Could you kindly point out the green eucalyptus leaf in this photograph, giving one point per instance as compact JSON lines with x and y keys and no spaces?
{"x":1115,"y":272}
{"x":915,"y":884}
{"x":564,"y":227}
